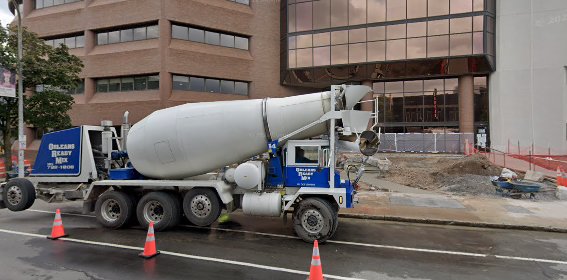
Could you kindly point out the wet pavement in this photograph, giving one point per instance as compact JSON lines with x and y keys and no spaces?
{"x":265,"y":248}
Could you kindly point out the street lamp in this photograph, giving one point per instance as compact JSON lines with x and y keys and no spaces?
{"x":15,"y":6}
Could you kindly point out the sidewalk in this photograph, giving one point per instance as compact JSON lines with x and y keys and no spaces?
{"x":463,"y":211}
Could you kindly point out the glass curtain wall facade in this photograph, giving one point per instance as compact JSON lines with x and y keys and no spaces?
{"x":386,"y":39}
{"x":413,"y":51}
{"x":427,"y":106}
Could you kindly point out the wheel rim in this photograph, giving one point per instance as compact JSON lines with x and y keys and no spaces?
{"x":14,"y":195}
{"x":312,"y":221}
{"x":111,"y":210}
{"x":153,"y":211}
{"x":201,"y":206}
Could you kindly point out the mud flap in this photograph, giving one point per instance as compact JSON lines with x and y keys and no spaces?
{"x":2,"y":205}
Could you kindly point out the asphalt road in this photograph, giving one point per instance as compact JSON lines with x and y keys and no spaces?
{"x":265,"y":248}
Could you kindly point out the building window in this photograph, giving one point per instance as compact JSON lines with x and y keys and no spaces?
{"x":40,"y":4}
{"x":200,"y":35}
{"x":124,"y":84}
{"x":213,"y":85}
{"x":72,"y":42}
{"x":245,"y":2}
{"x":459,"y":36}
{"x":427,"y":104}
{"x":79,"y":88}
{"x":306,"y":15}
{"x":127,"y":35}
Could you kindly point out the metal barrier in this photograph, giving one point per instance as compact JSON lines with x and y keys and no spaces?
{"x":547,"y":165}
{"x":452,"y":143}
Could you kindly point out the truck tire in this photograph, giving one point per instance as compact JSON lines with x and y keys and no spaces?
{"x":336,"y":208}
{"x":201,"y":206}
{"x":314,"y":219}
{"x":18,"y":194}
{"x":160,"y":208}
{"x":177,"y":201}
{"x":114,"y":209}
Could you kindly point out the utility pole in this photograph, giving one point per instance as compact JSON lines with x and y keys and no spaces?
{"x":21,"y":136}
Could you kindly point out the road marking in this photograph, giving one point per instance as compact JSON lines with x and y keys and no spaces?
{"x":181,"y":255}
{"x":529,"y":259}
{"x":22,"y":233}
{"x":245,"y":231}
{"x":410,"y":249}
{"x":351,"y":243}
{"x":421,"y":250}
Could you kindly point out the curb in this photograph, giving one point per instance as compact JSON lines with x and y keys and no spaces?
{"x":451,"y":223}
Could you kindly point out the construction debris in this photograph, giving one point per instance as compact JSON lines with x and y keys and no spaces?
{"x":457,"y":175}
{"x":534,"y":176}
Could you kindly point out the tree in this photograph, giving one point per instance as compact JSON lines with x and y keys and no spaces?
{"x":48,"y":110}
{"x":42,"y":65}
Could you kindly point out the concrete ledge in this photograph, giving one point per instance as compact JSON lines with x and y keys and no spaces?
{"x":451,"y":223}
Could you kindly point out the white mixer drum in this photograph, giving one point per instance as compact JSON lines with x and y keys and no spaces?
{"x":196,"y":138}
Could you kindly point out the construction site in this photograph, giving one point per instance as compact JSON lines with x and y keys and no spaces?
{"x":459,"y":175}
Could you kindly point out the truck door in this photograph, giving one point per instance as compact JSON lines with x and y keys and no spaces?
{"x":304,"y":168}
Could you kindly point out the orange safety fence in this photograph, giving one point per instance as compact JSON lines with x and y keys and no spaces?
{"x":2,"y":170}
{"x":523,"y":161}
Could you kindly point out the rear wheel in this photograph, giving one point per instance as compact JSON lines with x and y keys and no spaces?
{"x":18,"y":194}
{"x":114,"y":209}
{"x":201,"y":206}
{"x":177,"y":204}
{"x":314,"y":219}
{"x":160,"y":208}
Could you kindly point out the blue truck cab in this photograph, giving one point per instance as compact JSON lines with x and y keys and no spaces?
{"x":305,"y":164}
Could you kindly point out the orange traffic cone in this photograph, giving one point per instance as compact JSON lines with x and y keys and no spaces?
{"x":563,"y":178}
{"x":559,"y":179}
{"x":57,"y":231}
{"x":150,"y":247}
{"x":316,"y":271}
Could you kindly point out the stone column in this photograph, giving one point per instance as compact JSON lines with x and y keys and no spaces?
{"x":90,"y":89}
{"x":90,"y":83}
{"x":165,"y":79}
{"x":29,"y":6}
{"x":466,"y":104}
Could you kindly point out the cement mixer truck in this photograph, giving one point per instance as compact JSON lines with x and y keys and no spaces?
{"x":267,"y":157}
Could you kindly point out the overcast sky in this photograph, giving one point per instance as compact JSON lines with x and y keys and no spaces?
{"x":5,"y":15}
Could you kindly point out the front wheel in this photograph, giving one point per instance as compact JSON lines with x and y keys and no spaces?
{"x":18,"y":194}
{"x":314,"y":219}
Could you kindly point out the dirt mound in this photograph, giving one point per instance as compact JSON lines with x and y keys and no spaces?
{"x":434,"y":172}
{"x":473,"y":165}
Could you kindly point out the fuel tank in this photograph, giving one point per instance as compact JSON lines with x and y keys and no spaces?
{"x":197,"y":138}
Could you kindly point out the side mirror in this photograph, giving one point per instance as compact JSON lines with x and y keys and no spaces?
{"x":369,"y":142}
